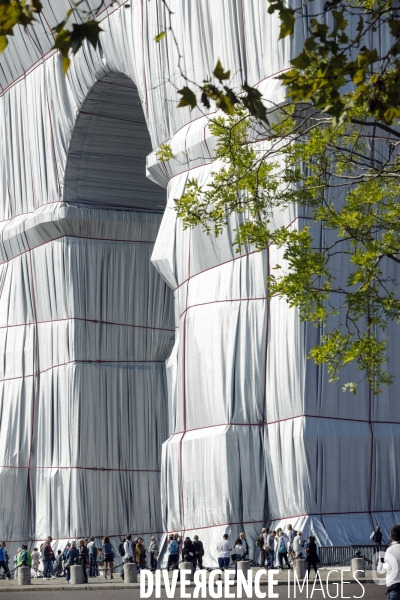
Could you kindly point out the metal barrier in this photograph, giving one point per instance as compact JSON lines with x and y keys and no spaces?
{"x":342,"y":555}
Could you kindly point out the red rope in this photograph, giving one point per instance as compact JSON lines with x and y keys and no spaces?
{"x":85,"y":320}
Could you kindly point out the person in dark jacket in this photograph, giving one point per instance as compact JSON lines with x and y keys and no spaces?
{"x":72,"y":559}
{"x":108,"y":556}
{"x":140,"y":554}
{"x":311,"y":555}
{"x":188,"y":553}
{"x":47,"y":559}
{"x":198,"y":551}
{"x":84,"y":558}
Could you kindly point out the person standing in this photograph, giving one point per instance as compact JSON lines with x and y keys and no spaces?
{"x":377,"y":538}
{"x":282,"y":549}
{"x":35,"y":561}
{"x":128,"y":553}
{"x":140,"y":554}
{"x":59,"y":566}
{"x":3,"y":562}
{"x":291,"y":534}
{"x":238,"y":551}
{"x":271,"y":549}
{"x":108,"y":553}
{"x":390,"y":565}
{"x":245,"y":545}
{"x":47,"y":559}
{"x":173,"y":552}
{"x":153,"y":551}
{"x":262,"y":544}
{"x":84,"y":558}
{"x":311,"y":555}
{"x":72,"y":557}
{"x":298,"y":544}
{"x":188,"y":553}
{"x":224,"y":550}
{"x":92,"y":548}
{"x":198,"y":551}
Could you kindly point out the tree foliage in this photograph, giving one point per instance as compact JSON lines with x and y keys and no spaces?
{"x":67,"y":37}
{"x":340,"y":187}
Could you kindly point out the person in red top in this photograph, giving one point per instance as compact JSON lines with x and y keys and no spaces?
{"x":48,"y":558}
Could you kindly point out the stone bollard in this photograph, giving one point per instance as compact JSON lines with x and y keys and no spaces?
{"x":189,"y":567}
{"x":77,"y":575}
{"x":300,"y":567}
{"x":358,"y":564}
{"x":130,"y":573}
{"x":24,"y":576}
{"x":243,"y":565}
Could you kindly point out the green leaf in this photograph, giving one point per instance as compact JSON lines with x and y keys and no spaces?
{"x":219,"y":72}
{"x":287,"y":17}
{"x":3,"y":43}
{"x":188,"y":98}
{"x":160,"y":36}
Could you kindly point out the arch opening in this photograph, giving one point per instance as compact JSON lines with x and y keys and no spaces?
{"x":106,"y":163}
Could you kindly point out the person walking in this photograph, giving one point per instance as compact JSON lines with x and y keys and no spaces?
{"x":311,"y":555}
{"x":390,"y":565}
{"x":84,"y":558}
{"x":224,"y":550}
{"x":35,"y":561}
{"x":198,"y":551}
{"x":153,"y":551}
{"x":72,"y":558}
{"x":3,"y":562}
{"x":108,"y":556}
{"x":140,"y":554}
{"x":92,"y":548}
{"x":173,"y":552}
{"x":282,"y":549}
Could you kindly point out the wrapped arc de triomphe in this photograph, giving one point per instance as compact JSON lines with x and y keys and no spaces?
{"x":98,"y":434}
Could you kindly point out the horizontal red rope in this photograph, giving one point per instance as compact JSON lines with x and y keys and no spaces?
{"x":80,"y":237}
{"x":265,"y":423}
{"x":82,"y":361}
{"x":100,"y":322}
{"x":82,"y":468}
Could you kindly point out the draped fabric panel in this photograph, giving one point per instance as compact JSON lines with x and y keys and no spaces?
{"x":254,"y":431}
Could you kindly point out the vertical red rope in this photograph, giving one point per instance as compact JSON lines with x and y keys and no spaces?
{"x":184,"y":389}
{"x":264,"y":415}
{"x":34,"y":382}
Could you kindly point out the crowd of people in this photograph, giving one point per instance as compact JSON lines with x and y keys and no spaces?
{"x":277,"y":549}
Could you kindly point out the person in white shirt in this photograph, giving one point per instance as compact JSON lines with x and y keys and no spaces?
{"x":391,"y":565}
{"x":298,"y":544}
{"x":224,"y":550}
{"x":128,"y":556}
{"x":281,"y":545}
{"x":35,"y":561}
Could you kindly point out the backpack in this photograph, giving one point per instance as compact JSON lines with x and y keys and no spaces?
{"x":121,"y":549}
{"x":260,"y":542}
{"x":93,"y":550}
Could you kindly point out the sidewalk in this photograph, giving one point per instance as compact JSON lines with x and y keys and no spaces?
{"x":99,"y":583}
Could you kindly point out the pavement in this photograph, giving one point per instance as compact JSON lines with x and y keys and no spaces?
{"x":99,"y":588}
